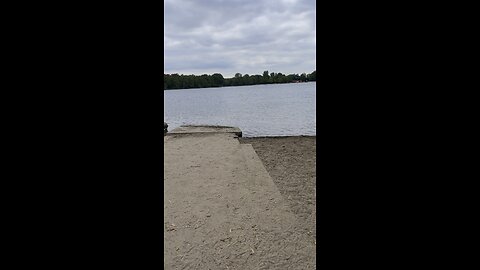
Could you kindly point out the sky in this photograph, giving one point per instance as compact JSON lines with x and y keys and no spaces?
{"x":239,"y":36}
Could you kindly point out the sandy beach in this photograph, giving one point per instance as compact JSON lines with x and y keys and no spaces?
{"x":239,"y":203}
{"x":291,"y":162}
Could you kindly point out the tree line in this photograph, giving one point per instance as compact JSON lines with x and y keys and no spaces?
{"x":175,"y":81}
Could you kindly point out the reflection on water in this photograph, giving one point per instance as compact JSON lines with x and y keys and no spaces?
{"x":258,"y":110}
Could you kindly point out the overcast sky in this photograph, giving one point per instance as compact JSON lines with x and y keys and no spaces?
{"x":245,"y":36}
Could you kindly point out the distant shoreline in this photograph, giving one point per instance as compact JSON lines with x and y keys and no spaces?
{"x":238,"y":85}
{"x":176,"y":81}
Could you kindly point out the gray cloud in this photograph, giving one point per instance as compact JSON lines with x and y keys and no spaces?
{"x":246,"y":36}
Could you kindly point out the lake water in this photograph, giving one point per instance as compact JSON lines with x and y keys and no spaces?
{"x":258,"y":110}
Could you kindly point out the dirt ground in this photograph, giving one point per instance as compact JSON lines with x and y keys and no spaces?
{"x":223,"y":209}
{"x":291,"y":162}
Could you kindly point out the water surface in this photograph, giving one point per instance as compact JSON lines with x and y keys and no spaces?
{"x":258,"y":110}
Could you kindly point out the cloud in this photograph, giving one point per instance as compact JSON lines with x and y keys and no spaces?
{"x":247,"y":36}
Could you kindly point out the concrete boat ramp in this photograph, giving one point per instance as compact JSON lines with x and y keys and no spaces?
{"x":222,"y":209}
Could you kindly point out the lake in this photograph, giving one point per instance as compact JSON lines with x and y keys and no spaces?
{"x":258,"y":110}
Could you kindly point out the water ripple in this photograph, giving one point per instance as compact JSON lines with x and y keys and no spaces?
{"x":259,"y":110}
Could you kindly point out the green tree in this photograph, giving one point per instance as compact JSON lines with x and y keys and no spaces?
{"x":247,"y":79}
{"x":176,"y":81}
{"x":217,"y":80}
{"x":312,"y":76}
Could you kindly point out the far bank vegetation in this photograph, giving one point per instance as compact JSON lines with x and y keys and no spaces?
{"x":175,"y":81}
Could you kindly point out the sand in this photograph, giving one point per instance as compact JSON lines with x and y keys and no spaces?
{"x":291,"y":162}
{"x":225,"y":210}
